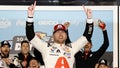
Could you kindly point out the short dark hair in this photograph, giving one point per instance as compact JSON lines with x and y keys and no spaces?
{"x":34,"y":58}
{"x":24,"y":41}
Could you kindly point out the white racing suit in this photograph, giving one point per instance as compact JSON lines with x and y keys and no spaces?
{"x":54,"y":55}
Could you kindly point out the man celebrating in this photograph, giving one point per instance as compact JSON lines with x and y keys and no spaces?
{"x":5,"y":59}
{"x":25,"y":55}
{"x":87,"y":58}
{"x":58,"y":54}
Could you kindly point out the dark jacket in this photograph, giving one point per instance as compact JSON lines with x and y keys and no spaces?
{"x":38,"y":56}
{"x":21,"y":57}
{"x":92,"y":57}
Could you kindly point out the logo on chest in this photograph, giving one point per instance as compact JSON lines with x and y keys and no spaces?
{"x":54,"y":51}
{"x":67,"y":52}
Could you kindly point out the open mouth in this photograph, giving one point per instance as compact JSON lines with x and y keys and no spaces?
{"x":86,"y":46}
{"x":60,"y":37}
{"x":34,"y":66}
{"x":6,"y":51}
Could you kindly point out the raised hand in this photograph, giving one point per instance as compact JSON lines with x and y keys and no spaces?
{"x":66,"y":24}
{"x":102,"y":25}
{"x":31,"y":10}
{"x":88,"y":12}
{"x":8,"y":61}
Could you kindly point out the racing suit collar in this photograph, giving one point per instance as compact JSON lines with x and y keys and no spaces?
{"x":59,"y":45}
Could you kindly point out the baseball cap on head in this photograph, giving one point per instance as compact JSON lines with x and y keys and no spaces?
{"x":103,"y":61}
{"x":5,"y":43}
{"x":59,"y":27}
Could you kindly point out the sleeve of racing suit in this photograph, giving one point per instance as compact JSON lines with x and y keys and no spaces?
{"x":34,"y":40}
{"x":104,"y":46}
{"x":80,"y":43}
{"x":30,"y":30}
{"x":88,"y":31}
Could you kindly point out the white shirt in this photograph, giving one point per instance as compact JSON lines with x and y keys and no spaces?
{"x":56,"y":56}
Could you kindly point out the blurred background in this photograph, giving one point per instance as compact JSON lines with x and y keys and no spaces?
{"x":59,"y":2}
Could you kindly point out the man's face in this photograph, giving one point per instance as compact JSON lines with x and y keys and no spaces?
{"x":5,"y":50}
{"x":34,"y":64}
{"x":60,"y":36}
{"x":87,"y":47}
{"x":25,"y":48}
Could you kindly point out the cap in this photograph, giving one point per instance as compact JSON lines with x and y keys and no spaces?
{"x":5,"y":43}
{"x":59,"y":27}
{"x":103,"y":61}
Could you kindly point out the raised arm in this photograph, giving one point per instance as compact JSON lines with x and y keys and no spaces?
{"x":105,"y":44}
{"x":67,"y":24}
{"x":82,"y":41}
{"x":89,"y":25}
{"x":34,"y":39}
{"x":29,"y":23}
